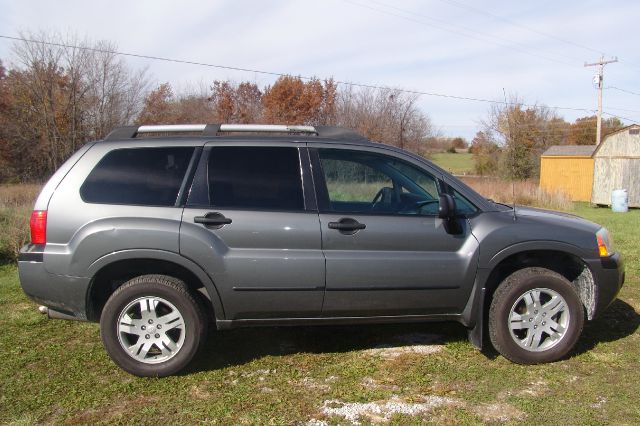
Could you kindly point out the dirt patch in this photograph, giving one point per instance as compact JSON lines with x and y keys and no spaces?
{"x":499,"y":412}
{"x":413,"y":343}
{"x":373,"y":384}
{"x":111,"y":412}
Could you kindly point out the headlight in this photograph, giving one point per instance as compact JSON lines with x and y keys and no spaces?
{"x":605,"y":243}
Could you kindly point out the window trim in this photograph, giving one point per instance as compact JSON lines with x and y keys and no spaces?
{"x":183,"y":184}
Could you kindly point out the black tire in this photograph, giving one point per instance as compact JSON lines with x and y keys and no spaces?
{"x":176,"y":293}
{"x":510,"y":291}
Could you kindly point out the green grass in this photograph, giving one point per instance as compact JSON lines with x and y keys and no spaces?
{"x":57,"y":371}
{"x":457,"y":164}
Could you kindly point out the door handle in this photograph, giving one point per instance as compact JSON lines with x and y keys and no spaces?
{"x":346,"y":225}
{"x":213,"y":220}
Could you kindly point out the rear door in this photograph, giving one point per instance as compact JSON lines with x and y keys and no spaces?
{"x":387,"y":252}
{"x":252,"y":222}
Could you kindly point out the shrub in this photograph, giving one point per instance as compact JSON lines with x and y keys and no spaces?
{"x":16,"y":203}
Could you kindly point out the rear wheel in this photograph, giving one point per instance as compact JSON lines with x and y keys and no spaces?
{"x":536,"y":316}
{"x":152,"y":326}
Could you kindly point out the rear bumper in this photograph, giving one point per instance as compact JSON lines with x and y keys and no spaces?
{"x":608,"y":274}
{"x":60,"y":292}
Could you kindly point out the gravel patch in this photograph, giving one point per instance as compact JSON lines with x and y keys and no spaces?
{"x":381,"y":411}
{"x":413,"y":343}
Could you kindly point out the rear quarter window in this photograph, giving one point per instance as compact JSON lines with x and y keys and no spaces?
{"x":138,"y":176}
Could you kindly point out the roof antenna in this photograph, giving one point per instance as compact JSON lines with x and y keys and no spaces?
{"x":513,"y":183}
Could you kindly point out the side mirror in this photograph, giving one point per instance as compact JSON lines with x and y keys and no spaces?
{"x":446,"y":207}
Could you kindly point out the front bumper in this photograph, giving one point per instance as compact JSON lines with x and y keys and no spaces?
{"x":60,"y":292}
{"x":608,"y":275}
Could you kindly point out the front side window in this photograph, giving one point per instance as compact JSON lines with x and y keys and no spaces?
{"x":266,"y":178}
{"x":363,"y":182}
{"x":138,"y":176}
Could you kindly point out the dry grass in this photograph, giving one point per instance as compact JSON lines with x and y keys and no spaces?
{"x":527,"y":193}
{"x":16,"y":202}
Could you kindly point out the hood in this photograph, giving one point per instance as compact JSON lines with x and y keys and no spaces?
{"x":555,"y":218}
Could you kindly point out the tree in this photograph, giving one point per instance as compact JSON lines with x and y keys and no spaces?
{"x":485,"y":154}
{"x":158,"y":108}
{"x":458,"y":143}
{"x":61,"y":93}
{"x":388,"y":116}
{"x":293,"y":101}
{"x":524,"y":133}
{"x":241,"y":103}
{"x":583,"y":130}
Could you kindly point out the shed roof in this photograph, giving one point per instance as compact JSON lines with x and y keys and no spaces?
{"x":569,"y":151}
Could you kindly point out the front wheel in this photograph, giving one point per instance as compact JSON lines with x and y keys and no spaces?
{"x":152,"y":326}
{"x":536,"y":316}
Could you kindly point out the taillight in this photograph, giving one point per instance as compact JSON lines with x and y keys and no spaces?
{"x":38,"y":225}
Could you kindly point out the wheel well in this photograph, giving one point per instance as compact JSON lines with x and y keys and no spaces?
{"x":112,"y":276}
{"x":569,"y":266}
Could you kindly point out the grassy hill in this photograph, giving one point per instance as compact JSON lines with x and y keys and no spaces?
{"x":458,"y":164}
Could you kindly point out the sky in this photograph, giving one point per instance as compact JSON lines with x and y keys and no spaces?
{"x":534,"y":50}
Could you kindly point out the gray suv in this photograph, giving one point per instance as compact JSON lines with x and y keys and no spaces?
{"x":159,"y":231}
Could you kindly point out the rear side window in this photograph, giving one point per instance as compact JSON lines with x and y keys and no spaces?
{"x":266,"y":178}
{"x":138,"y":176}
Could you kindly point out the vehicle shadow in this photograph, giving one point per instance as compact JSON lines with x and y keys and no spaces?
{"x":616,"y":322}
{"x":236,"y":347}
{"x":239,"y":346}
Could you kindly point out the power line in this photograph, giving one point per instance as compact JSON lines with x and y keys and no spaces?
{"x":470,"y":33}
{"x":623,"y":90}
{"x":279,"y":74}
{"x":526,"y":27}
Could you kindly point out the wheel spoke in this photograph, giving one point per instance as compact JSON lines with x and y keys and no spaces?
{"x":167,"y":346}
{"x":528,"y":300}
{"x":554,"y":306}
{"x":533,"y":339}
{"x":171,"y":320}
{"x":517,"y":322}
{"x":140,"y":350}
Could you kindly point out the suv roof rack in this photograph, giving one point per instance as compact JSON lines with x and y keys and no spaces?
{"x":129,"y":132}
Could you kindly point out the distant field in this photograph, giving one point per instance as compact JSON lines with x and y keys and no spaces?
{"x":458,"y":164}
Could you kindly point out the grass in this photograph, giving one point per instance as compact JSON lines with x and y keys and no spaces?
{"x":57,"y":372}
{"x":458,"y":164}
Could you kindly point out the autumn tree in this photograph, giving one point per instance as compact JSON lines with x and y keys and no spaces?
{"x":158,"y":106}
{"x":236,"y":103}
{"x":61,"y":93}
{"x":290,"y":100}
{"x":583,"y":130}
{"x":524,"y":132}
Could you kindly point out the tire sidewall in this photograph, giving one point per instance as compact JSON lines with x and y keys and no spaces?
{"x":193,"y":329}
{"x":501,"y":309}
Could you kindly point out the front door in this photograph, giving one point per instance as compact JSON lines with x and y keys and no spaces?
{"x":251,"y":222}
{"x":387,"y":252}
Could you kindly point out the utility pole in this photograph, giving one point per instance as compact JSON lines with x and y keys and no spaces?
{"x":600,"y":77}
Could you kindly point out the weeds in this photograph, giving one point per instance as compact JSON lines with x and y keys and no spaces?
{"x":526,"y":192}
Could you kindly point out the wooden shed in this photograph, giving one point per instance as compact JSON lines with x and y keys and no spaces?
{"x":568,"y":169}
{"x":617,"y":166}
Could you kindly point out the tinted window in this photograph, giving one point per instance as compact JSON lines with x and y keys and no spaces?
{"x":255,"y":178}
{"x":138,"y":176}
{"x":365,"y":182}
